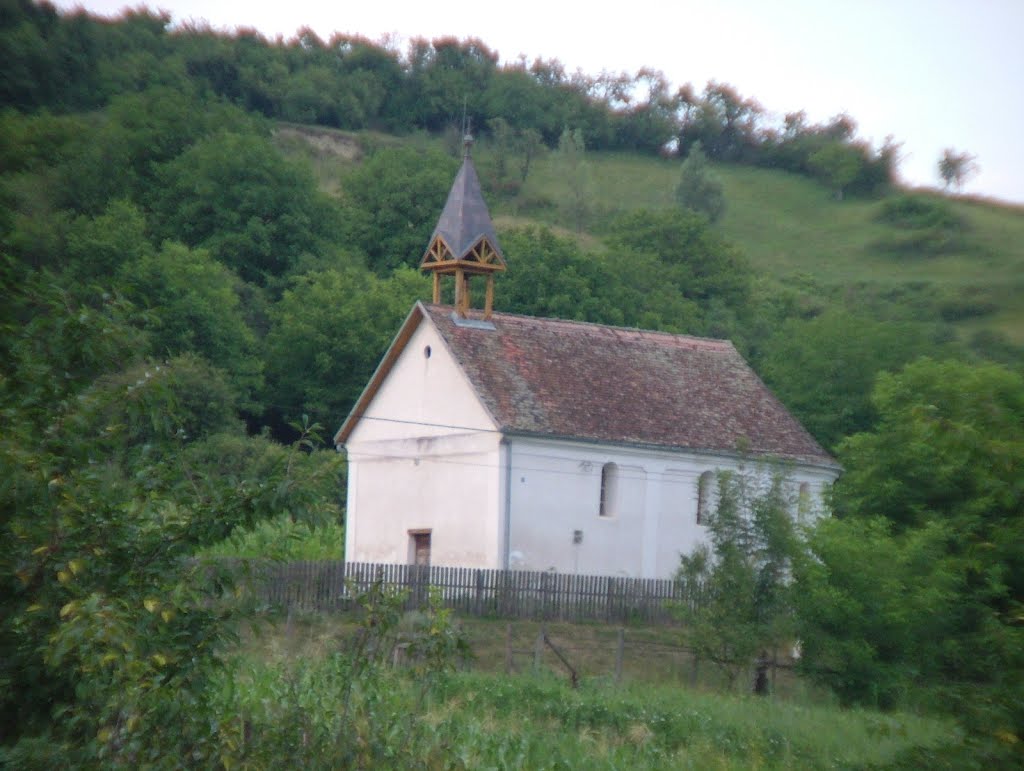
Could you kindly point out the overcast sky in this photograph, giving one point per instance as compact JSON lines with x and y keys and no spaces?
{"x":932,"y":73}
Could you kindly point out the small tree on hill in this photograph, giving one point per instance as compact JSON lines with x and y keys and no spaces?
{"x":531,"y":145}
{"x":837,"y":165}
{"x":576,"y":172}
{"x":743,"y":576}
{"x":698,"y":189}
{"x":955,"y":168}
{"x":501,"y":148}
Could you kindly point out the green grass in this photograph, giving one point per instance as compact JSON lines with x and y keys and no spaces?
{"x":789,"y":225}
{"x":294,"y":691}
{"x":656,"y":726}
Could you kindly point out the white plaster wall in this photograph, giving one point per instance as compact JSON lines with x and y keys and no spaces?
{"x":555,"y":490}
{"x":426,"y":455}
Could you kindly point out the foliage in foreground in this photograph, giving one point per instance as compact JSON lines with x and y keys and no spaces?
{"x":311,"y":715}
{"x":114,"y":469}
{"x":282,"y":539}
{"x":746,"y":611}
{"x":919,"y":584}
{"x":913,"y":593}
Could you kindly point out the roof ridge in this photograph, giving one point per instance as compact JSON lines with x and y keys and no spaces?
{"x":596,"y":325}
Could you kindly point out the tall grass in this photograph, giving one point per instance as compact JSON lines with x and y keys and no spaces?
{"x":297,"y":690}
{"x":307,"y":715}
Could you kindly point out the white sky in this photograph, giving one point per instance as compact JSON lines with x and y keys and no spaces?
{"x":932,"y":73}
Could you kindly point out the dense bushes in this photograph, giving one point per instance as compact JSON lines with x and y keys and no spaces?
{"x":926,"y":227}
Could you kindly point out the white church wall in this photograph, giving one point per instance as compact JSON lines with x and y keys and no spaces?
{"x":556,"y":517}
{"x":425,"y":457}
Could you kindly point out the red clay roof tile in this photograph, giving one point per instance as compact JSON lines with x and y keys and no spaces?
{"x":607,"y":384}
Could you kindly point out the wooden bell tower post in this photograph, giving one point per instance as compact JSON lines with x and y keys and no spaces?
{"x":464,"y":243}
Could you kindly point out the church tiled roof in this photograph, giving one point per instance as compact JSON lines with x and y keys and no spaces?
{"x":597,"y":383}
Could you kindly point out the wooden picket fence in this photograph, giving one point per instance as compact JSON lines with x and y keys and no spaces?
{"x":326,"y":586}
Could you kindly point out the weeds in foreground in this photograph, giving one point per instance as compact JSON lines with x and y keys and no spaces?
{"x":391,"y":696}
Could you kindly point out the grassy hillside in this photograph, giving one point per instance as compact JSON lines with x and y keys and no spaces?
{"x":787,"y":225}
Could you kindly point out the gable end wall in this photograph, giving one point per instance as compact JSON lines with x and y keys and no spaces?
{"x":425,"y":456}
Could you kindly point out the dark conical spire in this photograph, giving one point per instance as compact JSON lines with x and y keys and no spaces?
{"x":464,"y":242}
{"x":465,"y":219}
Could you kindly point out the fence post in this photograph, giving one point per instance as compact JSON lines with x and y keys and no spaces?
{"x":618,"y":654}
{"x":538,"y":649}
{"x":508,"y":649}
{"x":479,"y":593}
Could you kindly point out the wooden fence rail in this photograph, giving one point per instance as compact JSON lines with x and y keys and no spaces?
{"x":324,"y":586}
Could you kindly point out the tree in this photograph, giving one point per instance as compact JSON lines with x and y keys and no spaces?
{"x":238,"y":197}
{"x":956,"y":168}
{"x":394,"y":200}
{"x":328,"y":332}
{"x":824,"y":368}
{"x":723,"y":122}
{"x":744,"y":610}
{"x":873,"y":607}
{"x":699,"y":190}
{"x":837,"y":165}
{"x":647,"y":125}
{"x":575,"y":172}
{"x":444,"y":73}
{"x":193,"y":305}
{"x":942,"y":467}
{"x":531,"y":145}
{"x":111,"y":632}
{"x":693,"y":258}
{"x":501,"y":147}
{"x":96,"y":247}
{"x":553,"y":278}
{"x":122,"y":157}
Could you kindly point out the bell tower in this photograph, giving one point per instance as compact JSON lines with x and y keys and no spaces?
{"x":464,"y":243}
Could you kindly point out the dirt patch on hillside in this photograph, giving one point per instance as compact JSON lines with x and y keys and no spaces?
{"x":325,"y":141}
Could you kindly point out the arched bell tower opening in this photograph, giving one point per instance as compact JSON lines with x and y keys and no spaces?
{"x":464,"y":244}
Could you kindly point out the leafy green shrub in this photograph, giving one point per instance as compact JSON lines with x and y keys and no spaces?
{"x":284,"y":539}
{"x":535,"y":204}
{"x":956,"y":306}
{"x":927,"y":227}
{"x":916,"y":212}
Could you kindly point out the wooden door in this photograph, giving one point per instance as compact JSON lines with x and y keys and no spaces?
{"x":421,"y":549}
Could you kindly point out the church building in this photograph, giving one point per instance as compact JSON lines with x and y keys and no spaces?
{"x":495,"y":440}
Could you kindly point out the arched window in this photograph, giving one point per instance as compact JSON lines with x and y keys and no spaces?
{"x":704,"y":490}
{"x":803,"y":501}
{"x":609,"y":489}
